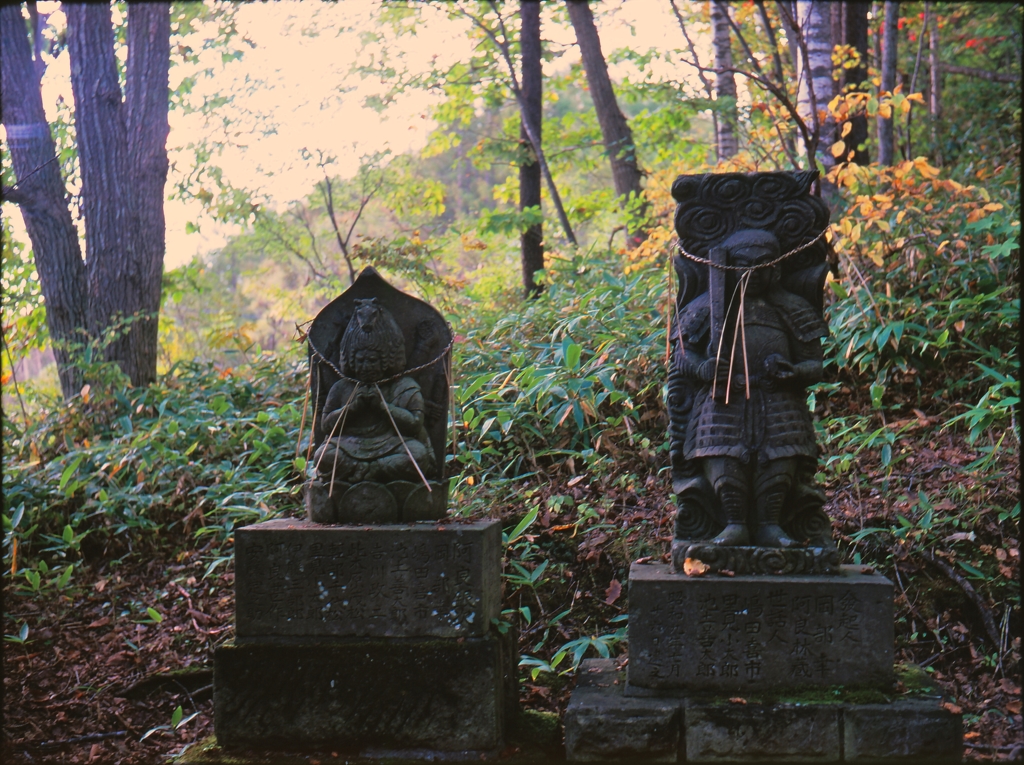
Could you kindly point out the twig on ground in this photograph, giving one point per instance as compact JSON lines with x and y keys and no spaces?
{"x":971,"y":593}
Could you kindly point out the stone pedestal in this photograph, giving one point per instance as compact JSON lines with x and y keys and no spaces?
{"x":366,"y":637}
{"x":765,"y":668}
{"x":748,"y":633}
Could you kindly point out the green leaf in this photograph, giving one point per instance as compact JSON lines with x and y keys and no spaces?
{"x":69,"y":535}
{"x":156,"y":617}
{"x":524,"y":524}
{"x":571,"y":353}
{"x":971,"y":570}
{"x":63,"y":580}
{"x":69,"y":471}
{"x":23,"y":632}
{"x":176,"y":715}
{"x":300,"y":464}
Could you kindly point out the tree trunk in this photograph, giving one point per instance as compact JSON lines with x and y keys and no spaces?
{"x":855,"y":34}
{"x":725,"y":83}
{"x":814,"y":77}
{"x":885,"y":125}
{"x":787,"y":13}
{"x":618,"y":138}
{"x":41,"y":195}
{"x":116,"y":277}
{"x":531,"y":240}
{"x":935,"y":87}
{"x":147,"y":97}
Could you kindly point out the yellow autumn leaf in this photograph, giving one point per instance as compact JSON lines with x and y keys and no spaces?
{"x":885,"y":110}
{"x":992,"y":206}
{"x":855,"y":233}
{"x":919,"y":97}
{"x":883,"y":225}
{"x":838,"y":148}
{"x":905,"y":106}
{"x":900,"y":216}
{"x":695,"y":567}
{"x":875,"y":253}
{"x":974,"y":215}
{"x":847,"y":127}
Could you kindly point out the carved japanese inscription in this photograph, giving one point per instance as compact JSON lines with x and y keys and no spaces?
{"x":757,"y":633}
{"x":297,"y":578}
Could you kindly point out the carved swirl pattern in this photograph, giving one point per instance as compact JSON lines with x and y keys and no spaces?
{"x":714,"y":205}
{"x":756,"y":560}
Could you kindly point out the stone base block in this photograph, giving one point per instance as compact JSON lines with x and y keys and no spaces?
{"x":358,"y":694}
{"x":748,"y":634}
{"x":603,"y":724}
{"x":889,"y":733}
{"x":295,"y":578}
{"x":724,"y":732}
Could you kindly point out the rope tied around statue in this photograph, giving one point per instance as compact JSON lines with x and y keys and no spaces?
{"x":756,"y":266}
{"x":340,"y":422}
{"x":741,"y":287}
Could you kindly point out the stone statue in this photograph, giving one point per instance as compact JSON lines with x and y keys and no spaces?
{"x":746,"y":343}
{"x":378,"y":420}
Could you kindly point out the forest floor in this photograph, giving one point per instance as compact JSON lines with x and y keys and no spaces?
{"x":100,"y":676}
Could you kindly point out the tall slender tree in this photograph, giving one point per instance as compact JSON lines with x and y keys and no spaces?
{"x":814,"y":74}
{"x":122,"y":154}
{"x":934,"y":88}
{"x":888,"y":72}
{"x":854,"y":32}
{"x":531,"y":241}
{"x":618,"y":138}
{"x":726,"y":141}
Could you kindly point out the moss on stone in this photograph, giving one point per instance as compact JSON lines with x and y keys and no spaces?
{"x":533,"y":727}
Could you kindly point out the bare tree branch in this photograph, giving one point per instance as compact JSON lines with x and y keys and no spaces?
{"x":776,"y":58}
{"x":981,"y":74}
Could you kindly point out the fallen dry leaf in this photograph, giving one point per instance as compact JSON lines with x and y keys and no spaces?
{"x":954,"y":709}
{"x":737,"y":700}
{"x":1013,"y":707}
{"x":613,"y":592}
{"x":100,"y":623}
{"x":971,"y":735}
{"x":727,"y":572}
{"x":695,"y":567}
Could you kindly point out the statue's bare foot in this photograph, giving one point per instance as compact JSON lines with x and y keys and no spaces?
{"x":733,"y":535}
{"x":772,"y":535}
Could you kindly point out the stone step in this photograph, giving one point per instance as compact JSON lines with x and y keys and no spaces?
{"x":602,"y":724}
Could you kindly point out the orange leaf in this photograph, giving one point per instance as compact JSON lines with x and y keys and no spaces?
{"x":695,"y":567}
{"x":954,"y":709}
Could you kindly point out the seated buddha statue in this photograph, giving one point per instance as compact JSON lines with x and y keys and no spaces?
{"x":374,"y":415}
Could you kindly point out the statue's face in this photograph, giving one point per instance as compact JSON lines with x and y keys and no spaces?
{"x":761,"y":280}
{"x":367,"y":364}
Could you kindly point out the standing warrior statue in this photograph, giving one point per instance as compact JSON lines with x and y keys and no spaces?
{"x":746,"y":343}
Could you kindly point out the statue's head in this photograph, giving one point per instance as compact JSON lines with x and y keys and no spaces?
{"x":372,"y":348}
{"x":752,"y":247}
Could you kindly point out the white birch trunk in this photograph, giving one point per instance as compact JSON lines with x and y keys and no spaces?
{"x":814,"y":76}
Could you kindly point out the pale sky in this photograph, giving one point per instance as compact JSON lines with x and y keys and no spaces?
{"x":303,"y":54}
